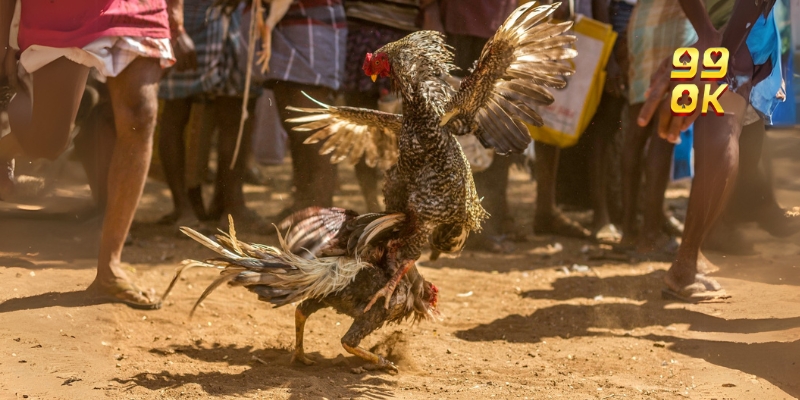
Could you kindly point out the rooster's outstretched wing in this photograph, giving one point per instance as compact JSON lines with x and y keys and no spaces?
{"x":507,"y":83}
{"x":351,"y":133}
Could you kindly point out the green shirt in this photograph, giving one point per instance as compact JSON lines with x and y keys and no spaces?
{"x":719,"y":11}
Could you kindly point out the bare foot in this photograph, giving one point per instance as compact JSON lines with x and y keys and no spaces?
{"x":695,"y":289}
{"x":559,"y":224}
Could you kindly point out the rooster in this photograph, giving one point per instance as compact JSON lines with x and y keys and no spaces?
{"x":342,"y":273}
{"x":428,"y":184}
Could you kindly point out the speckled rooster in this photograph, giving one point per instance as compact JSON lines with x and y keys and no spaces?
{"x":428,"y":184}
{"x":337,"y":258}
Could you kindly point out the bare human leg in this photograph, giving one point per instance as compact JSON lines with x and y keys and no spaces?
{"x":657,"y":164}
{"x":134,"y":98}
{"x":605,"y":126}
{"x":41,"y":128}
{"x":716,"y":147}
{"x":634,"y":140}
{"x":229,"y":182}
{"x":548,"y":219}
{"x":313,"y":175}
{"x":94,"y":146}
{"x":172,"y":152}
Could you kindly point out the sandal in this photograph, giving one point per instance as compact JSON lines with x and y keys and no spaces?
{"x":608,"y":234}
{"x":124,"y":292}
{"x":702,"y":290}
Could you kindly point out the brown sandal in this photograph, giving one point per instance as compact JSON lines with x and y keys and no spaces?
{"x":124,"y":292}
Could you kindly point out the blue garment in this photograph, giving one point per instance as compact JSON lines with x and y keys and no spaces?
{"x":620,"y":15}
{"x":683,"y":156}
{"x":764,"y":44}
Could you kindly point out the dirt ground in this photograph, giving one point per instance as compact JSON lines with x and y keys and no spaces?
{"x":523,"y":325}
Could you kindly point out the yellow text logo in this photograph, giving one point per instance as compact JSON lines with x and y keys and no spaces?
{"x":685,"y":64}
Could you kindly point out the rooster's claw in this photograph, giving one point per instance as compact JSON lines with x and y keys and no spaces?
{"x":386,"y":292}
{"x":302,"y":358}
{"x":383,"y":365}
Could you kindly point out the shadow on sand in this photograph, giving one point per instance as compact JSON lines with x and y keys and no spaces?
{"x":777,"y":362}
{"x":283,"y":374}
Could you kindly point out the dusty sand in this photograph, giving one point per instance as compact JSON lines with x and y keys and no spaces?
{"x":516,"y":326}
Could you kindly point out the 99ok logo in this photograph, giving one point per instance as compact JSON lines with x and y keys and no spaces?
{"x":685,"y":62}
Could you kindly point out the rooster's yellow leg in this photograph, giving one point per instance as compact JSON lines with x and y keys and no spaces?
{"x":373,"y":358}
{"x":388,"y":290}
{"x":299,"y":327}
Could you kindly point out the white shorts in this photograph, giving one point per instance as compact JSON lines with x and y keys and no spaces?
{"x":109,"y":55}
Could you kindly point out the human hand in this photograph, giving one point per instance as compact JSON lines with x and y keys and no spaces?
{"x":657,"y":97}
{"x":266,"y":49}
{"x":185,"y":53}
{"x":615,"y":79}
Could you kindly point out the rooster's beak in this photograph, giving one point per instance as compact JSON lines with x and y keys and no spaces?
{"x":374,"y":77}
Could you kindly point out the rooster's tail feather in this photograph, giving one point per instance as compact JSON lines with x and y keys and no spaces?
{"x":276,"y":274}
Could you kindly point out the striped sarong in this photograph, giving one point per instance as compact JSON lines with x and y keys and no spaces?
{"x":309,"y":44}
{"x":218,"y":42}
{"x":656,"y":29}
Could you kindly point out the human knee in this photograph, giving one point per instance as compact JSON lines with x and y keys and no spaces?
{"x":136,"y":115}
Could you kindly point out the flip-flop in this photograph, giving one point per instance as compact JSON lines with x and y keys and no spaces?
{"x":124,"y":292}
{"x":704,"y":290}
{"x":608,"y":234}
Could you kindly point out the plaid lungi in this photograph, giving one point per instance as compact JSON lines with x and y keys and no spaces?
{"x":656,"y":29}
{"x":217,"y":40}
{"x":309,"y":44}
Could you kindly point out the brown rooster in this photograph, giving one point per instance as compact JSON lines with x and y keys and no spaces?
{"x":428,"y":180}
{"x":337,"y":275}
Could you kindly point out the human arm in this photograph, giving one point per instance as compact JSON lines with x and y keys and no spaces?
{"x":277,"y":10}
{"x":615,"y":75}
{"x":431,"y":15}
{"x":182,"y":44}
{"x":745,"y":14}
